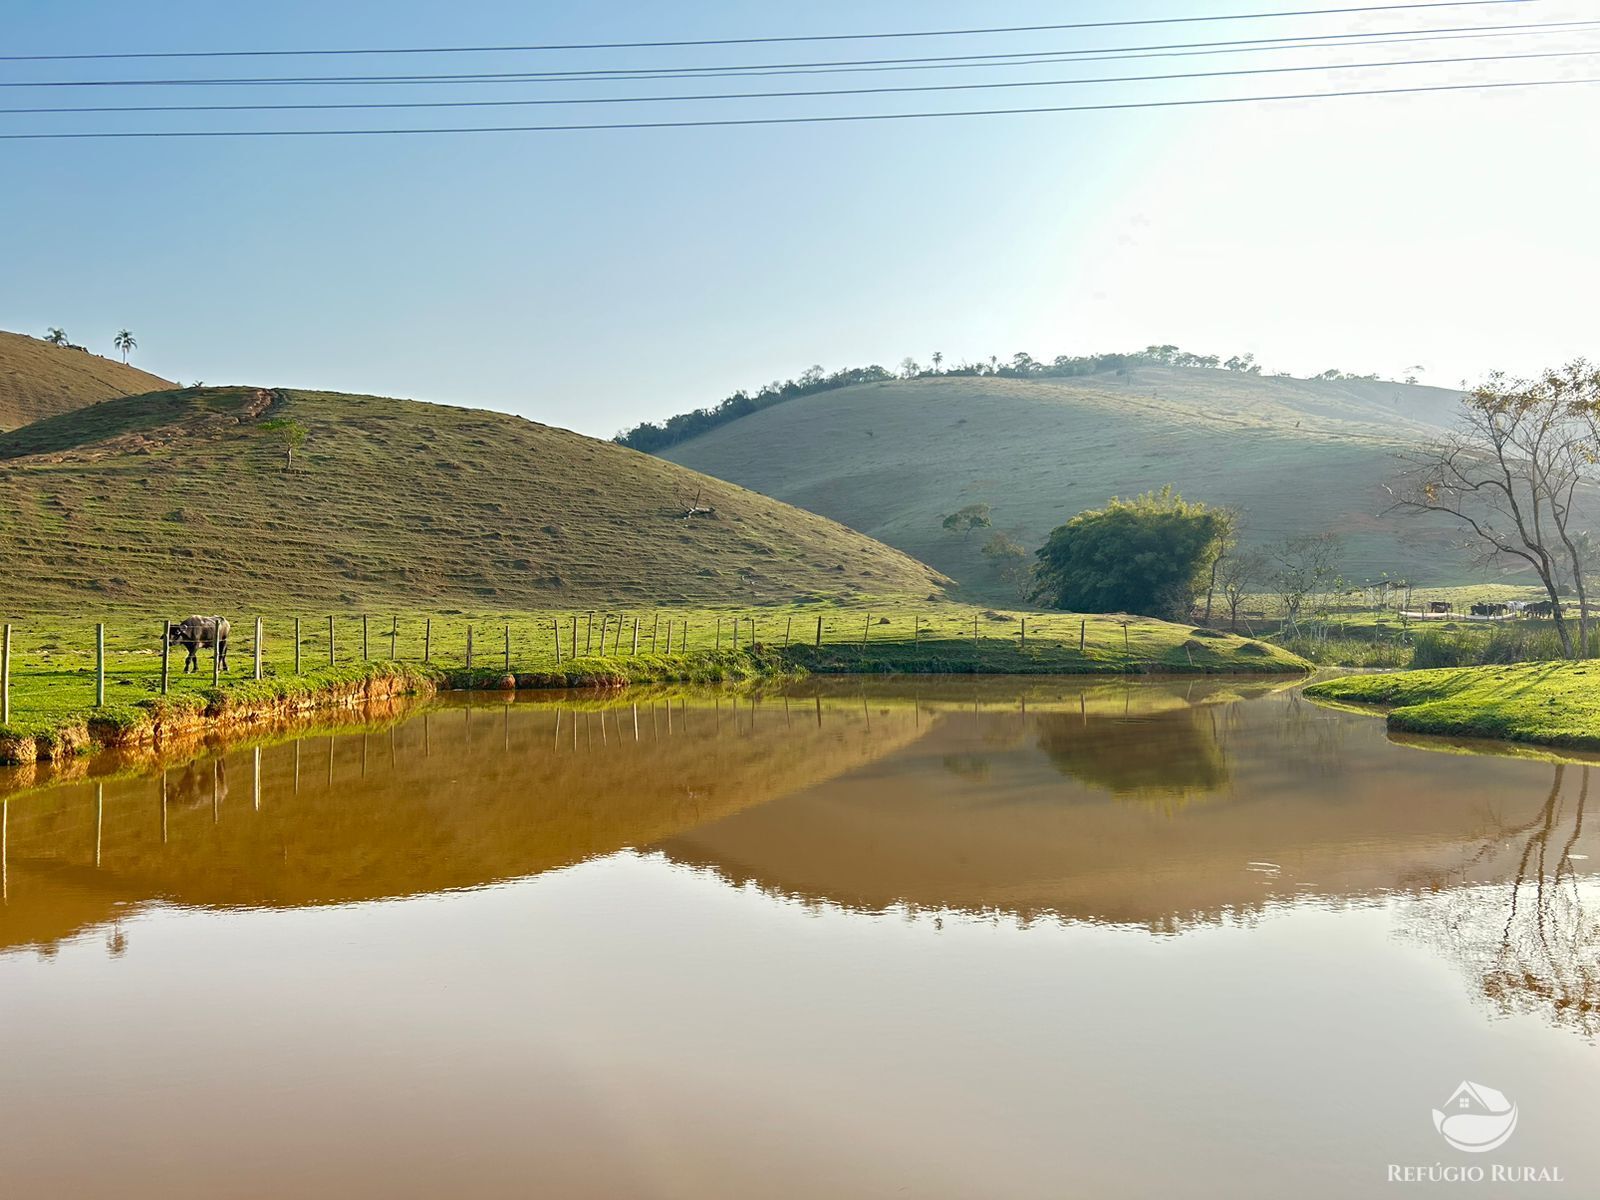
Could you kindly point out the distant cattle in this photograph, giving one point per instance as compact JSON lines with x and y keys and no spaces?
{"x":1439,"y":606}
{"x":1543,"y":608}
{"x":197,"y":633}
{"x":1488,"y":610}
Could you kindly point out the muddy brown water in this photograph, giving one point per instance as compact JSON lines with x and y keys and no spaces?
{"x":1042,"y":939}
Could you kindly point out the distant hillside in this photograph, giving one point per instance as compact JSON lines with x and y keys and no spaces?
{"x":891,"y":458}
{"x":38,"y":380}
{"x":182,"y":494}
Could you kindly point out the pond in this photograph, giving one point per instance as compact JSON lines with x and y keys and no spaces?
{"x":1043,"y":938}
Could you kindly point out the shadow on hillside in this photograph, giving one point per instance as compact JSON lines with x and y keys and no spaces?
{"x":110,"y":419}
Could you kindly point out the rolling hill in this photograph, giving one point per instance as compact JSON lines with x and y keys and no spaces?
{"x":177,"y":494}
{"x":38,"y":380}
{"x":892,"y":458}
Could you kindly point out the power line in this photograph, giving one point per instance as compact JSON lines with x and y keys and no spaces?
{"x":727,"y":122}
{"x":811,"y":93}
{"x":1018,"y":58}
{"x":754,"y":41}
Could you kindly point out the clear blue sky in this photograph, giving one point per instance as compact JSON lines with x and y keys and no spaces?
{"x":593,"y":280}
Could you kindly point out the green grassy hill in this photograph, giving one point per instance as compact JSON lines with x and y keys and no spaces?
{"x":891,"y":458}
{"x":181,"y":495}
{"x":38,"y":380}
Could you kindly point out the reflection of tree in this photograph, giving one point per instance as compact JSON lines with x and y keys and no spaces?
{"x":1172,"y":755}
{"x":1538,"y":949}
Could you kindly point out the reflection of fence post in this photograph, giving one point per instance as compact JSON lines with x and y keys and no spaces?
{"x":100,"y":665}
{"x":297,"y":647}
{"x":166,"y":654}
{"x":258,"y":648}
{"x":5,"y":675}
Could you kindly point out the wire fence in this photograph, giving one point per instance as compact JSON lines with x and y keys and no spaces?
{"x":52,"y":664}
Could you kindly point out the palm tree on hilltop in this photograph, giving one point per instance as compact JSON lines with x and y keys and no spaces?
{"x":124,"y":342}
{"x":56,"y":336}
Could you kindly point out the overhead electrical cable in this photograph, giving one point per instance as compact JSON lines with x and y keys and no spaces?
{"x":1022,"y":58}
{"x":815,"y":92}
{"x":754,"y":41}
{"x":821,"y":119}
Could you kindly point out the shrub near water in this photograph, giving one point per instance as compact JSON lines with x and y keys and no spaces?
{"x":1504,"y":644}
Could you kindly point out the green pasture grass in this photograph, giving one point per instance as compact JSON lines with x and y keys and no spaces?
{"x":53,"y":672}
{"x":1556,"y":704}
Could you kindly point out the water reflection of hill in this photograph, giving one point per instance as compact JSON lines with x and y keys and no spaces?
{"x":455,"y":797}
{"x":1285,"y":802}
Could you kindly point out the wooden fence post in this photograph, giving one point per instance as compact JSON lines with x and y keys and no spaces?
{"x":1024,"y":645}
{"x":394,"y":634}
{"x":819,"y":633}
{"x":787,"y":630}
{"x":100,"y":665}
{"x":166,"y":654}
{"x":216,"y":657}
{"x":719,"y":633}
{"x":655,"y":629}
{"x":1083,"y":633}
{"x":555,"y":628}
{"x":333,"y":652}
{"x":508,"y":648}
{"x":5,"y":676}
{"x":427,"y":641}
{"x":866,"y":629}
{"x":364,"y":655}
{"x":258,"y":648}
{"x":636,"y":637}
{"x":469,"y":647}
{"x":668,"y":650}
{"x":574,"y":653}
{"x":588,"y":636}
{"x":974,"y":631}
{"x":297,"y":647}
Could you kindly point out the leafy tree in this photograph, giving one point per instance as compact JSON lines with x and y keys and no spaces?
{"x":1243,"y":362}
{"x":1149,"y":555}
{"x":124,"y":342}
{"x":965,"y":520}
{"x":1230,"y":543}
{"x":1009,"y":561}
{"x":56,"y":336}
{"x":910,"y":368}
{"x":291,"y":433}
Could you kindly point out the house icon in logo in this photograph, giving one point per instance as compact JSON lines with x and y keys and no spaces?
{"x":1476,"y":1118}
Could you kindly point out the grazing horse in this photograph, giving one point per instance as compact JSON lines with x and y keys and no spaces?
{"x":196,"y":633}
